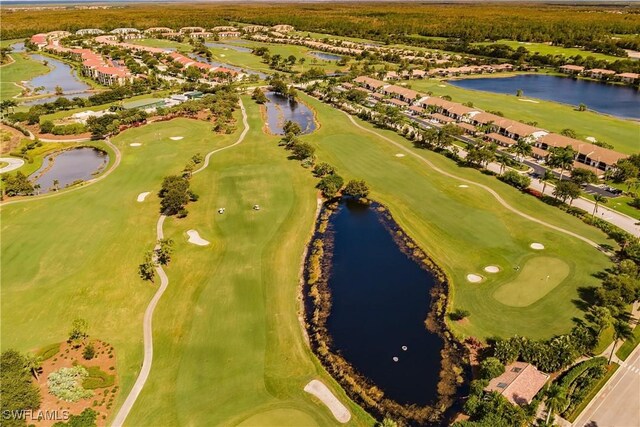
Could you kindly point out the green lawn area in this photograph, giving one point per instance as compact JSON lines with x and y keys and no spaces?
{"x":248,"y":60}
{"x":76,"y":254}
{"x":231,"y":307}
{"x":545,"y":49}
{"x":229,"y":346}
{"x":622,"y":134}
{"x":22,"y":69}
{"x":464,"y":229}
{"x":629,"y":345}
{"x":621,"y":204}
{"x":538,"y":277}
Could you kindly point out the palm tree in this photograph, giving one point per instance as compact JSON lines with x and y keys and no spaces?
{"x":621,"y":331}
{"x":33,"y":364}
{"x":556,"y":400}
{"x":599,"y":200}
{"x":562,"y":158}
{"x":600,"y":317}
{"x":522,"y":148}
{"x":503,"y":161}
{"x":546,"y":177}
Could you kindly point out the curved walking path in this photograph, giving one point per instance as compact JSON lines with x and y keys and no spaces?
{"x":13,"y":164}
{"x":147,"y":325}
{"x":484,"y":187}
{"x":116,"y":163}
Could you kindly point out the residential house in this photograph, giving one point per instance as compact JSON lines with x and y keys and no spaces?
{"x":519,"y":383}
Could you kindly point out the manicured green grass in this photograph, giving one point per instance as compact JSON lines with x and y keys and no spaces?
{"x":49,"y":351}
{"x":76,"y":254}
{"x":229,"y":347}
{"x":622,"y":134}
{"x":538,"y":277}
{"x":22,"y":69}
{"x":231,"y":307}
{"x":629,"y":345}
{"x":545,"y":49}
{"x":620,"y":204}
{"x":97,"y":378}
{"x":611,"y":369}
{"x":465,"y":229}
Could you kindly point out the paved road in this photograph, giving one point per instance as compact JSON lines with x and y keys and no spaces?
{"x":618,"y":403}
{"x":147,"y":325}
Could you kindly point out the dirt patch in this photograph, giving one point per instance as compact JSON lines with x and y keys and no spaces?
{"x":102,"y":399}
{"x":9,"y":139}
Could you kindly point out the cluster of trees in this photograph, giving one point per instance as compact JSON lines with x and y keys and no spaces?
{"x":161,"y":255}
{"x":18,"y":392}
{"x":110,"y":124}
{"x":175,"y":194}
{"x":69,"y":129}
{"x":278,"y":85}
{"x":17,"y":185}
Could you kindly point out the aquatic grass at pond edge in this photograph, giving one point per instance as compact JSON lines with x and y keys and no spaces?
{"x":375,"y":307}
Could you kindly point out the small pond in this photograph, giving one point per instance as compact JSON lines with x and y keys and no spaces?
{"x":62,"y":75}
{"x":280,"y":110}
{"x":228,"y":46}
{"x":621,"y":101}
{"x":326,"y":56}
{"x":380,"y":300}
{"x":44,"y":100}
{"x":69,"y":166}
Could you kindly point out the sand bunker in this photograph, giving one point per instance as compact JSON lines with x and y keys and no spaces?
{"x":194,"y":237}
{"x":176,"y":138}
{"x":529,"y":100}
{"x":537,"y":246}
{"x":591,"y":139}
{"x":492,"y":269}
{"x":463,"y":186}
{"x":399,"y":155}
{"x":143,"y":196}
{"x":319,"y":390}
{"x":474,"y":278}
{"x":135,"y":144}
{"x":442,"y":85}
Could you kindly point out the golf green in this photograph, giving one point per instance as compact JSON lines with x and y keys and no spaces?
{"x":538,"y":277}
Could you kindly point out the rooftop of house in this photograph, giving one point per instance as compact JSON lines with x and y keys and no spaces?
{"x":519,"y":383}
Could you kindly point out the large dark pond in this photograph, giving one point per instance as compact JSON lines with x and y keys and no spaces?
{"x":380,"y":300}
{"x":69,"y":167}
{"x":280,"y":110}
{"x":621,"y":101}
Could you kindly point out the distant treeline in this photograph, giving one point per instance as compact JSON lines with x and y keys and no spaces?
{"x":563,"y":25}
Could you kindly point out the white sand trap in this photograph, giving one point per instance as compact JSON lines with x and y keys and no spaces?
{"x":591,"y":139}
{"x":135,"y":144}
{"x":474,"y":278}
{"x":492,"y":269}
{"x":529,"y":100}
{"x":143,"y":196}
{"x":399,"y":155}
{"x":537,"y":246}
{"x":194,"y":237}
{"x":319,"y":390}
{"x":442,"y":85}
{"x":176,"y":138}
{"x":463,"y":186}
{"x":223,"y":55}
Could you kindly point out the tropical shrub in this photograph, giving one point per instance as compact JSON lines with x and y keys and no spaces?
{"x":65,"y":384}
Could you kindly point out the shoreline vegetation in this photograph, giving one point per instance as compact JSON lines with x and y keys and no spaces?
{"x":317,"y":303}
